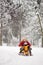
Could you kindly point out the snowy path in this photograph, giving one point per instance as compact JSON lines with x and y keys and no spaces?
{"x":9,"y":56}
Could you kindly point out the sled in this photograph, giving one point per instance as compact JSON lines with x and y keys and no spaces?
{"x":24,"y":53}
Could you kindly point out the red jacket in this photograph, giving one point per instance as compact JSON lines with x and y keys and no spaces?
{"x":22,"y":42}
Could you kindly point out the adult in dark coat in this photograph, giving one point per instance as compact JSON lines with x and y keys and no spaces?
{"x":23,"y":41}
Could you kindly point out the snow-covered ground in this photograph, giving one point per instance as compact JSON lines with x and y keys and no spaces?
{"x":9,"y":56}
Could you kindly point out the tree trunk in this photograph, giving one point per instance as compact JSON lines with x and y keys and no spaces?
{"x":41,"y":28}
{"x":20,"y":37}
{"x":42,"y":39}
{"x":20,"y":30}
{"x":20,"y":34}
{"x":0,"y":38}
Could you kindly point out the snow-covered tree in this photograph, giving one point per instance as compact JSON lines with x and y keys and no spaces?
{"x":20,"y":20}
{"x":11,"y":16}
{"x":7,"y":9}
